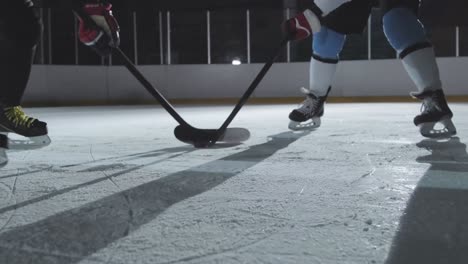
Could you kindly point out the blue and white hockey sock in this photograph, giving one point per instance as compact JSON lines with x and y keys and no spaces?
{"x":407,"y":36}
{"x":327,"y":45}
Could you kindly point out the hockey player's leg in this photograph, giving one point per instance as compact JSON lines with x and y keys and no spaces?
{"x":327,"y":44}
{"x":19,"y":34}
{"x":3,"y":148}
{"x":406,"y":34}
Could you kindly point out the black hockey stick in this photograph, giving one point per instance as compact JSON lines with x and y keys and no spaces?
{"x":183,"y":134}
{"x":198,"y":137}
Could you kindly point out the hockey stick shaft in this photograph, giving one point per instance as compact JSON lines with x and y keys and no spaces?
{"x":149,"y":87}
{"x":137,"y":74}
{"x":245,"y":97}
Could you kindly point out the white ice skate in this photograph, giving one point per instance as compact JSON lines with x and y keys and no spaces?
{"x":308,"y":115}
{"x":435,"y":111}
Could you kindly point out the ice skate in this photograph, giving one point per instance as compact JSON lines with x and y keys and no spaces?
{"x":434,"y":110}
{"x":3,"y":148}
{"x":14,"y":120}
{"x":307,"y":116}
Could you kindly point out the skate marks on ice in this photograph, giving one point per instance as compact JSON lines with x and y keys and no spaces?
{"x":31,"y":170}
{"x":434,"y":226}
{"x":76,"y":166}
{"x":73,"y":235}
{"x":175,"y":152}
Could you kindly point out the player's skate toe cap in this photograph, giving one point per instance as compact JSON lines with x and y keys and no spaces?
{"x":296,"y":116}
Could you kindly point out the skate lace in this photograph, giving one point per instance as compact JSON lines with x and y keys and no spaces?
{"x":17,"y":116}
{"x":430,"y":104}
{"x":423,"y":107}
{"x":309,"y":103}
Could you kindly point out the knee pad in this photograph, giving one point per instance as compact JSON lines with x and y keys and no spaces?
{"x":403,"y":29}
{"x":21,"y":28}
{"x":327,"y":44}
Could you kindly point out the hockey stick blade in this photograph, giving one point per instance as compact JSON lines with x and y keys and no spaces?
{"x":202,"y":138}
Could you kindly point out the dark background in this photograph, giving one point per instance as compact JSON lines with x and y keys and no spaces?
{"x":145,"y":31}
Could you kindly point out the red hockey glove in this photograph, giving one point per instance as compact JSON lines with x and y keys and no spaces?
{"x":302,"y":26}
{"x":103,"y":37}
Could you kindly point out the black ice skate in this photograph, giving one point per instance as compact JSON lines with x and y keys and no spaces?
{"x":434,"y":110}
{"x":14,"y":120}
{"x":308,"y":116}
{"x":3,"y":148}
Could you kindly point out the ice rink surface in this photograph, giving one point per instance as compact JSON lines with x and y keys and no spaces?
{"x":116,"y":186}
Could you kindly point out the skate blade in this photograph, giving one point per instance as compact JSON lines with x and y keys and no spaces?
{"x":29,"y":143}
{"x":311,"y":124}
{"x":428,"y":129}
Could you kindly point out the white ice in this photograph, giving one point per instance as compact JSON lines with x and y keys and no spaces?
{"x":115,"y":186}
